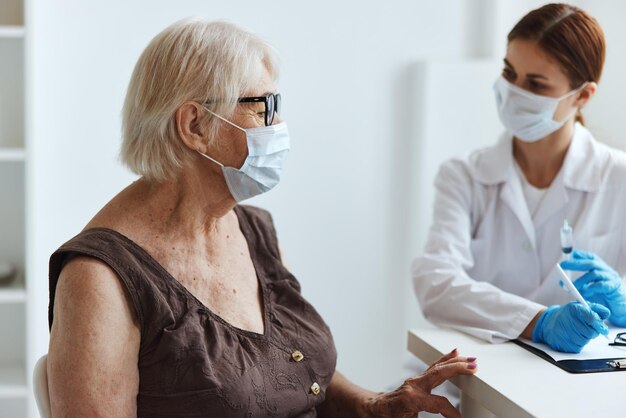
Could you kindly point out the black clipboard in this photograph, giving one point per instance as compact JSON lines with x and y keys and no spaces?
{"x":575,"y":366}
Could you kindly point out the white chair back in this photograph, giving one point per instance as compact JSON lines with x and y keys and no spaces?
{"x":40,"y":387}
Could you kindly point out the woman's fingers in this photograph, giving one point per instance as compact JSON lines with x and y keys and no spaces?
{"x":443,"y":369}
{"x":456,"y":359}
{"x":414,"y":395}
{"x":452,"y":354}
{"x":583,"y":255}
{"x":580,"y":265}
{"x":439,"y":373}
{"x":436,"y":404}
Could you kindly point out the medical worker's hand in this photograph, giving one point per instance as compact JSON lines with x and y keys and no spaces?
{"x":600,"y":284}
{"x":570,"y":327}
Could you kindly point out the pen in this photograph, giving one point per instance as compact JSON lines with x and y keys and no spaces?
{"x":572,"y":289}
{"x":570,"y":286}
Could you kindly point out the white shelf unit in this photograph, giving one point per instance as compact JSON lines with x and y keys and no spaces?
{"x":12,"y":154}
{"x":14,"y":377}
{"x":12,"y":31}
{"x":14,"y":390}
{"x":14,"y":292}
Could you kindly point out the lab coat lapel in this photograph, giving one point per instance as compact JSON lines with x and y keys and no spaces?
{"x":586,"y":162}
{"x":583,"y":169}
{"x":513,"y":195}
{"x":494,"y":166}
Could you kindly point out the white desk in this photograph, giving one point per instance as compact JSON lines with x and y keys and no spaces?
{"x":512,"y":382}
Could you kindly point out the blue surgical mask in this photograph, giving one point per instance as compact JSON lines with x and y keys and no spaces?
{"x":529,"y":117}
{"x":268,"y":147}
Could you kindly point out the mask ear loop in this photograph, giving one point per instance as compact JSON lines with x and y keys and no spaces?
{"x":210,"y":159}
{"x":228,"y":122}
{"x":573,"y":92}
{"x":224,"y":119}
{"x":578,"y":115}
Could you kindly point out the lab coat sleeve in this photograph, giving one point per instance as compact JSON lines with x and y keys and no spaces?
{"x":446,"y":293}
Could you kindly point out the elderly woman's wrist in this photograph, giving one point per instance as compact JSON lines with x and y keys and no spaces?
{"x":368,"y":407}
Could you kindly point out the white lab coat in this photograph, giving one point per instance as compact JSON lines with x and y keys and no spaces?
{"x":488,"y":267}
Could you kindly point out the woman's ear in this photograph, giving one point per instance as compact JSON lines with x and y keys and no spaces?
{"x":190,"y":129}
{"x":585,"y":94}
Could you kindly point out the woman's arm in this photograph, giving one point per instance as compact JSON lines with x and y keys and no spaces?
{"x":347,"y":400}
{"x":528,"y":331}
{"x":344,"y":399}
{"x":94,"y":344}
{"x":440,"y":275}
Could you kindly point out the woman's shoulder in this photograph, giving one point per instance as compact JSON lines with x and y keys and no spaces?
{"x":616,"y":156}
{"x":92,"y":236}
{"x":88,"y":279}
{"x":94,"y":258}
{"x":606,"y":159}
{"x":591,"y":165}
{"x":107,"y":245}
{"x":617,"y":172}
{"x":131,"y":209}
{"x":487,"y":165}
{"x":86,"y":293}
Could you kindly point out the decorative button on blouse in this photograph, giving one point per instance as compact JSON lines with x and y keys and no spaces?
{"x":297,"y":356}
{"x":315,"y":389}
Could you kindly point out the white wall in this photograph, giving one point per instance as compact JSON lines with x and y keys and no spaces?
{"x":346,"y":80}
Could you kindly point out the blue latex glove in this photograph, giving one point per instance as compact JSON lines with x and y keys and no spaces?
{"x":600,"y":284}
{"x":570,"y":327}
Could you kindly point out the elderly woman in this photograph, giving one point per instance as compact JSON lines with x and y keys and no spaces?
{"x":174,"y":301}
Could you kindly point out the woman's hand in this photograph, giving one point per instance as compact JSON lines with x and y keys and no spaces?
{"x":568,"y":328}
{"x":600,"y":284}
{"x":414,"y":395}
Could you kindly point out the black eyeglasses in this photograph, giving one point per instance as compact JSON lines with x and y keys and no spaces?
{"x":272,"y":103}
{"x":620,"y":340}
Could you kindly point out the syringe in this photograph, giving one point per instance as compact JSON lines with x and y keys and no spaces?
{"x":567,"y":246}
{"x":567,"y":240}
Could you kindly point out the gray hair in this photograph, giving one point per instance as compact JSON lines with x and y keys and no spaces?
{"x":191,"y":60}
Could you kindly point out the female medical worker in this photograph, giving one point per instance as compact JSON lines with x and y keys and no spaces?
{"x":489,"y":265}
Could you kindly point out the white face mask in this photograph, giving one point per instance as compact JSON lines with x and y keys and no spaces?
{"x":529,"y":117}
{"x":268,"y":147}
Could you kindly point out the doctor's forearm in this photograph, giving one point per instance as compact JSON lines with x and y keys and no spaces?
{"x":528,"y":331}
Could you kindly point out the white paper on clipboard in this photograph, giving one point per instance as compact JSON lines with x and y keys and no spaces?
{"x":597,"y":348}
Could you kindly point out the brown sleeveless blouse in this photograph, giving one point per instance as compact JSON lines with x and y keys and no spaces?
{"x":192,"y":363}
